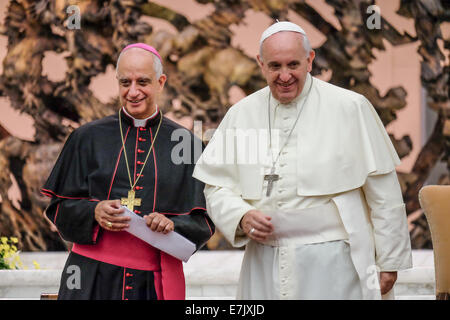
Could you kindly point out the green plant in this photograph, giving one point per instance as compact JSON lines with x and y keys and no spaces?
{"x":9,"y":255}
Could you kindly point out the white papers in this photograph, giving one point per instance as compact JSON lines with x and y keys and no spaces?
{"x":172,"y":243}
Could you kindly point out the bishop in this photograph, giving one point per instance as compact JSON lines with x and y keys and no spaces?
{"x":97,"y":165}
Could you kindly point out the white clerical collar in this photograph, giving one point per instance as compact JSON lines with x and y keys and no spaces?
{"x":141,"y":122}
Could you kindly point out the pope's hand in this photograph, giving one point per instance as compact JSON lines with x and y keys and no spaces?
{"x":159,"y":223}
{"x":106,"y":214}
{"x":257,"y":225}
{"x":387,"y":280}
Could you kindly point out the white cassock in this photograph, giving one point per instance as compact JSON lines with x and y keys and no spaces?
{"x":337,"y":207}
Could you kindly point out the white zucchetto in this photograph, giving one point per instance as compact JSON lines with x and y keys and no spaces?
{"x":280,"y":26}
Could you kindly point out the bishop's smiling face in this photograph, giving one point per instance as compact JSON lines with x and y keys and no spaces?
{"x":139,"y":88}
{"x":285,"y":64}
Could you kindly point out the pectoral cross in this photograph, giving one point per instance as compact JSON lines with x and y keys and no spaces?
{"x":272,"y":177}
{"x":131,"y":201}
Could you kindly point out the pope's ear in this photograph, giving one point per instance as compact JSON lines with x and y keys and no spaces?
{"x":260,"y":62}
{"x":311,"y":57}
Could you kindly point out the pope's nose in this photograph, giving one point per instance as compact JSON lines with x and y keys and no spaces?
{"x":285,"y":76}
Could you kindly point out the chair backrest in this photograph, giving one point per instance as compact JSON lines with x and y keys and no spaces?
{"x":435,"y":201}
{"x":49,"y":296}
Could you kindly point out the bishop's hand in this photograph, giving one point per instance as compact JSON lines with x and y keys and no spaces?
{"x":257,"y":225}
{"x":159,"y":223}
{"x":107,"y":215}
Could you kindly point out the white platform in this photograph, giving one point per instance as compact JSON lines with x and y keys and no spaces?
{"x":209,"y":275}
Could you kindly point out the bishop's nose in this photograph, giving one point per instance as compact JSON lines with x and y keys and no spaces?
{"x":133,"y":92}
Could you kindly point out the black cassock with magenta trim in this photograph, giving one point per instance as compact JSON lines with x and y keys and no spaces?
{"x":92,"y":168}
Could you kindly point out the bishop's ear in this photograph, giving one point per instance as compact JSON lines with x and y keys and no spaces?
{"x":162,"y":80}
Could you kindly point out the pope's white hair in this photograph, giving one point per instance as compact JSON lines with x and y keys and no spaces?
{"x":306,"y":44}
{"x":157,"y":65}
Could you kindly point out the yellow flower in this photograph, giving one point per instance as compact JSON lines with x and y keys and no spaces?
{"x":12,"y":264}
{"x":9,"y":253}
{"x":36,"y":265}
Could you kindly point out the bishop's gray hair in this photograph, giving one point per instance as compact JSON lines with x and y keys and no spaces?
{"x":157,"y":65}
{"x":306,"y":45}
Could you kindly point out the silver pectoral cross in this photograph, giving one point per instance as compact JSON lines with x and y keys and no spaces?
{"x":272,"y":177}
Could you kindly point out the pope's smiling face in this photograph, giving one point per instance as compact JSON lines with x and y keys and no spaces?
{"x":285,"y":64}
{"x":139,"y":88}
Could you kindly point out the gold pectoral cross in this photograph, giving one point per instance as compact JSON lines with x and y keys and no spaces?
{"x":131,"y":201}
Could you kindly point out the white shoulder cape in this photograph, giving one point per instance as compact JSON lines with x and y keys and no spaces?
{"x":341,"y":141}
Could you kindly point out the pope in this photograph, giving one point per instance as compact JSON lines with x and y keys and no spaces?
{"x":302,"y":173}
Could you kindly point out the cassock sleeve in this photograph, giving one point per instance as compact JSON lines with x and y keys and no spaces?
{"x":71,"y":207}
{"x":388,"y":217}
{"x":186,"y":206}
{"x":74,"y":219}
{"x":227,"y":209}
{"x":195,"y":226}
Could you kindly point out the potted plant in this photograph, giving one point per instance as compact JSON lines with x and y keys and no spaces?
{"x":9,"y":255}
